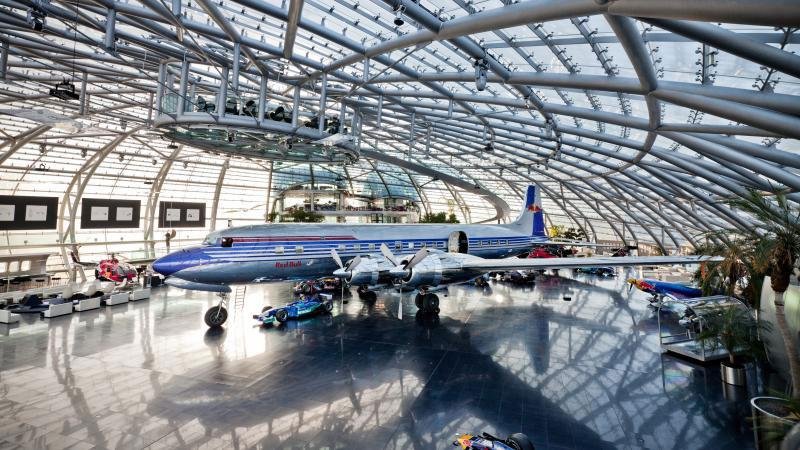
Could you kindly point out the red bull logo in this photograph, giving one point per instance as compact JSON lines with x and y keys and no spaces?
{"x":288,"y":264}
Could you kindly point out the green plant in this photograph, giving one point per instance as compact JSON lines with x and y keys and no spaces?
{"x":441,"y":217}
{"x":735,"y":329}
{"x":301,"y":215}
{"x":777,"y":246}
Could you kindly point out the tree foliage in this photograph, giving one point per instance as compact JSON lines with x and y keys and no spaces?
{"x":440,"y":217}
{"x":301,"y":215}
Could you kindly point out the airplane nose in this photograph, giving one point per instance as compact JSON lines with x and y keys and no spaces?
{"x":177,"y":261}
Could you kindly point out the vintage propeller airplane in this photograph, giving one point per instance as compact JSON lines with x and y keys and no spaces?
{"x":443,"y":254}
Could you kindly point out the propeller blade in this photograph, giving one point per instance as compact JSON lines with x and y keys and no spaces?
{"x":388,"y":254}
{"x":353,"y":263}
{"x":417,"y":258}
{"x":335,"y":256}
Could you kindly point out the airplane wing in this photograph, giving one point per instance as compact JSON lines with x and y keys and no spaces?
{"x":578,"y":244}
{"x":492,"y":265}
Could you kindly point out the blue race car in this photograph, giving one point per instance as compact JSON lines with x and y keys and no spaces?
{"x":303,"y":307}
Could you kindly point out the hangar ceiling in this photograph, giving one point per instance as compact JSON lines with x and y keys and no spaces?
{"x":638,"y":119}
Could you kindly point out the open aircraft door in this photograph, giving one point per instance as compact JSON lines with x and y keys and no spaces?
{"x":457,"y":242}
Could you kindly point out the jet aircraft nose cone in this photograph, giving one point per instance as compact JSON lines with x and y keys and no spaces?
{"x":179,"y":260}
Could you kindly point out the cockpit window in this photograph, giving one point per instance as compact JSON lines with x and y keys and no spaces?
{"x":226,"y":242}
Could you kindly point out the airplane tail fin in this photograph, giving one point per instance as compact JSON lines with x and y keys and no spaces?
{"x":531,"y":219}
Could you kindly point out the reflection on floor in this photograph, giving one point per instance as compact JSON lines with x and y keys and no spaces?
{"x":585,"y":374}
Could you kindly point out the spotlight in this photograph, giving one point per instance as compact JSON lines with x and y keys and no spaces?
{"x":154,"y":161}
{"x":42,"y":149}
{"x":480,"y":74}
{"x":231,"y":136}
{"x":121,"y":157}
{"x":84,"y":152}
{"x":36,"y":18}
{"x":65,"y":91}
{"x":398,"y":15}
{"x":172,"y":145}
{"x":186,"y":164}
{"x":489,"y":147}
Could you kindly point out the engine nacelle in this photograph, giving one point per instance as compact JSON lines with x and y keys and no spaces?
{"x":367,"y":272}
{"x":427,"y":273}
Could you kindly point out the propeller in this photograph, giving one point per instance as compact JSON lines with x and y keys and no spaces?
{"x":344,"y":271}
{"x":402,"y":270}
{"x":388,"y":254}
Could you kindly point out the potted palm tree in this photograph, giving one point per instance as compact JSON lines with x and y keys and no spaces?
{"x":777,"y":246}
{"x":734,"y":328}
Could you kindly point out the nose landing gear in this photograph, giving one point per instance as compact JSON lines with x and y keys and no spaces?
{"x":217,"y":315}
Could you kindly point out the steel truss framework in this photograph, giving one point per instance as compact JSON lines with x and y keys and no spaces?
{"x":638,"y":119}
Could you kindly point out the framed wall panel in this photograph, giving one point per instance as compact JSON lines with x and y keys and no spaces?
{"x":181,"y":215}
{"x":107,"y":213}
{"x":19,"y":212}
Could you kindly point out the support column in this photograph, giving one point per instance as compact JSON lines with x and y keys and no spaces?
{"x":237,"y":52}
{"x":262,"y":97}
{"x":4,"y":61}
{"x":111,"y":20}
{"x":295,"y":106}
{"x":182,"y":89}
{"x":84,"y":96}
{"x":162,"y":79}
{"x":217,"y":192}
{"x":222,"y":95}
{"x":323,"y":98}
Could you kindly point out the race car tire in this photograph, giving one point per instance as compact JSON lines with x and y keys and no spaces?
{"x":519,"y":441}
{"x":282,"y":315}
{"x":215,"y":316}
{"x":328,"y":305}
{"x":418,"y":301}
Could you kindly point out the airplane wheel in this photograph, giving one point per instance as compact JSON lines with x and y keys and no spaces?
{"x":216,"y":316}
{"x":281,"y":316}
{"x":519,"y":441}
{"x":418,"y":301}
{"x":328,"y":306}
{"x":430,"y":303}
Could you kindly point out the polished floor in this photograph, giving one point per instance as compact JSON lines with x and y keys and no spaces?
{"x":585,"y":373}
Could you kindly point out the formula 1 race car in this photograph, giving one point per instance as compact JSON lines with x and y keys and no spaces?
{"x":599,"y":271}
{"x":303,"y":307}
{"x":486,"y":441}
{"x":326,"y":284}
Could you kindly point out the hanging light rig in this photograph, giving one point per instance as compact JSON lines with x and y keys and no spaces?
{"x":64,"y":90}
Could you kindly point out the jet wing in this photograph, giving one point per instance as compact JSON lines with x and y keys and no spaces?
{"x":492,"y":265}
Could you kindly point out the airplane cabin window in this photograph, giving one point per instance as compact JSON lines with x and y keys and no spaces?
{"x":398,"y":245}
{"x":485,"y":242}
{"x":410,"y":245}
{"x":226,"y":242}
{"x":372,"y":246}
{"x":440,"y":244}
{"x":356,"y":247}
{"x":431,"y":244}
{"x":342,"y":247}
{"x":494,"y":242}
{"x":298,"y":249}
{"x":279,"y":250}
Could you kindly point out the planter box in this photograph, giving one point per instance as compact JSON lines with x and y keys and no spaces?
{"x":117,"y":299}
{"x":8,"y":317}
{"x":140,"y":294}
{"x":87,"y":304}
{"x":58,"y":310}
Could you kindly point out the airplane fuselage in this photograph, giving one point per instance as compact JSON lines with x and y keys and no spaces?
{"x":274,"y":252}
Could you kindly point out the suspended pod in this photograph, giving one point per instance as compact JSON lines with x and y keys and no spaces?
{"x":332,"y":125}
{"x":250,"y":108}
{"x":232,"y":106}
{"x":314,"y":122}
{"x":281,"y":114}
{"x":203,"y":106}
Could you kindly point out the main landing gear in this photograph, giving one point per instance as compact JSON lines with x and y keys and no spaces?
{"x":366,"y":294}
{"x":217,"y":315}
{"x":427,"y":302}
